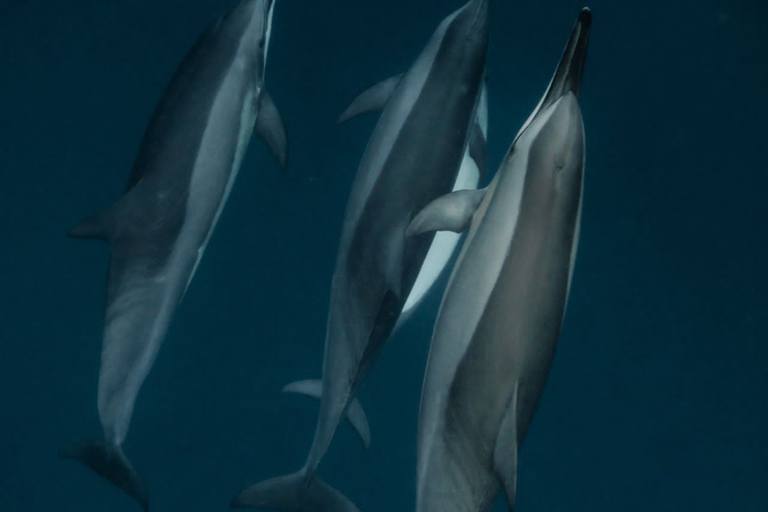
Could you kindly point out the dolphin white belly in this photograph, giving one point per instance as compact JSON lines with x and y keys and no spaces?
{"x":428,"y":120}
{"x":158,"y":231}
{"x":500,"y":318}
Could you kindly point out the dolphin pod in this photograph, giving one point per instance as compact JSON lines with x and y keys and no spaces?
{"x":185,"y":168}
{"x":501,"y":314}
{"x":413,"y":156}
{"x":414,"y":195}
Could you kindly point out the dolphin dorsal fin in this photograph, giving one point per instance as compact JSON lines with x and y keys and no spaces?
{"x":373,"y":99}
{"x":103,"y":225}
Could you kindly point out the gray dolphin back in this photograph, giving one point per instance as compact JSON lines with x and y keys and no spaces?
{"x":500,"y":319}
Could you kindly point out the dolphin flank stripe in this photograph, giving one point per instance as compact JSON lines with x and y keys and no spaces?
{"x":500,"y":318}
{"x":414,"y":155}
{"x":409,"y":91}
{"x":184,"y":171}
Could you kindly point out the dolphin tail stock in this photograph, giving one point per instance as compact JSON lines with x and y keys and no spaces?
{"x":298,"y":492}
{"x":109,"y":462}
{"x":355,"y":414}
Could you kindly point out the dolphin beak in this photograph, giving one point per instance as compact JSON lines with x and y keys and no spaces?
{"x":570,"y":71}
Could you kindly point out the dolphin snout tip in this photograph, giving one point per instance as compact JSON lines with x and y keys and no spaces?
{"x":585,"y":17}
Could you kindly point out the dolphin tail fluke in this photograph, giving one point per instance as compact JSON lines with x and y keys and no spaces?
{"x":109,"y":462}
{"x":298,"y":492}
{"x":355,"y":414}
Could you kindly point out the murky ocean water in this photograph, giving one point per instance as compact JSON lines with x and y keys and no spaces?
{"x":656,"y":397}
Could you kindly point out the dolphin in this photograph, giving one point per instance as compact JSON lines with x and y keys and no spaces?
{"x":414,"y":156}
{"x":184,"y":171}
{"x":440,"y":251}
{"x":501,"y":314}
{"x":443,"y":246}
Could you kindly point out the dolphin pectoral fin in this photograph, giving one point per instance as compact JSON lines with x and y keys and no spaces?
{"x":271,"y":128}
{"x":108,"y":461}
{"x":373,"y":99}
{"x":451,"y":212}
{"x":355,"y":414}
{"x":505,"y":452}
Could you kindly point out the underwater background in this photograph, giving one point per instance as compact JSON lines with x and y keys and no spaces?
{"x":656,"y":400}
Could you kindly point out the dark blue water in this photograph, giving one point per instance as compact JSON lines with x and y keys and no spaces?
{"x":656,"y":400}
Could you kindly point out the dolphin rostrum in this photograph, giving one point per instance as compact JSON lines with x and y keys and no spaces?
{"x":184,"y":171}
{"x":500,"y":319}
{"x":414,"y":155}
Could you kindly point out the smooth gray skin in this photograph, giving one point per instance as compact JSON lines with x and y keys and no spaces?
{"x":501,"y":314}
{"x":444,"y":244}
{"x":182,"y":176}
{"x":413,"y":157}
{"x":440,"y":252}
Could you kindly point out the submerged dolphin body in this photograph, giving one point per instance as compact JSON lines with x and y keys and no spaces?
{"x":414,"y":155}
{"x":501,"y":314}
{"x":440,"y":252}
{"x":182,"y":176}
